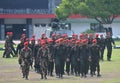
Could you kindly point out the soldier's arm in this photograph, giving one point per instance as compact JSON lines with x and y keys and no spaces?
{"x":113,"y":41}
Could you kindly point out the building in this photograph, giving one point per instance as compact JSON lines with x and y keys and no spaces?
{"x":34,"y":17}
{"x":20,"y":16}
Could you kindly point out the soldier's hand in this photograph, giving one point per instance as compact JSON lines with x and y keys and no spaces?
{"x":67,"y":59}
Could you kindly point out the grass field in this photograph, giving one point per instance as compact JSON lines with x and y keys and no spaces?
{"x":110,"y":71}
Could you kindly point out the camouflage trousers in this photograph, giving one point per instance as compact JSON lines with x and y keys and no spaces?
{"x":25,"y":69}
{"x":43,"y":67}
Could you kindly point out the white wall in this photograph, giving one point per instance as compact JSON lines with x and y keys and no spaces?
{"x":39,"y":21}
{"x":80,"y":27}
{"x":116,"y":28}
{"x":15,"y":21}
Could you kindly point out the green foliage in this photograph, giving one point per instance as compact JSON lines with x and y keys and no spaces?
{"x":104,"y":11}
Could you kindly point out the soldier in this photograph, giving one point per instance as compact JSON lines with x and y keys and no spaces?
{"x":84,"y":56}
{"x":50,"y":57}
{"x":8,"y":46}
{"x":18,"y":50}
{"x":74,"y":57}
{"x":43,"y":59}
{"x":32,"y":46}
{"x":26,"y":57}
{"x":68,"y":57}
{"x":102,"y":46}
{"x":95,"y":57}
{"x":59,"y":58}
{"x":108,"y":44}
{"x":98,"y":39}
{"x":12,"y":43}
{"x":36,"y":64}
{"x":90,"y":39}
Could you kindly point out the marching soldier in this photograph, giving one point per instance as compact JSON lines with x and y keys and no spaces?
{"x":32,"y":46}
{"x":102,"y":46}
{"x":84,"y":56}
{"x":26,"y":57}
{"x":95,"y":58}
{"x":59,"y":57}
{"x":108,"y":44}
{"x":9,"y":46}
{"x":18,"y":50}
{"x":36,"y":63}
{"x":74,"y":58}
{"x":43,"y":59}
{"x":98,"y":39}
{"x":50,"y":57}
{"x":68,"y":57}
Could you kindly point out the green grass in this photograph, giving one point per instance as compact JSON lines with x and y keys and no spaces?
{"x":110,"y":72}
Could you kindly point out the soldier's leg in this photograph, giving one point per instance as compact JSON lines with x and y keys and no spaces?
{"x":98,"y":68}
{"x":13,"y":49}
{"x":82,"y":68}
{"x":7,"y":54}
{"x":23,"y":71}
{"x":72,"y":68}
{"x":49,"y":65}
{"x":41,"y":72}
{"x":109,"y":52}
{"x":78,"y":68}
{"x":68,"y":67}
{"x":102,"y":53}
{"x":61,"y":69}
{"x":45,"y":73}
{"x":51,"y":68}
{"x":27,"y":72}
{"x":4,"y":54}
{"x":12,"y":54}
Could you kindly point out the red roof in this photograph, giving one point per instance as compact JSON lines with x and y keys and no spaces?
{"x":27,"y":16}
{"x":73,"y":16}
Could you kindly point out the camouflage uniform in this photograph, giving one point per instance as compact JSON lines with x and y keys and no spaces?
{"x":8,"y":49}
{"x":43,"y":61}
{"x":26,"y":57}
{"x":50,"y":59}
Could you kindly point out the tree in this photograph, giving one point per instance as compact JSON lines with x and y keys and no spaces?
{"x":104,"y":11}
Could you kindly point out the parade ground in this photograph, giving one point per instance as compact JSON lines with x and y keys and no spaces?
{"x":10,"y":72}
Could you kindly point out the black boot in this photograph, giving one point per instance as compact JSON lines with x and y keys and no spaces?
{"x":45,"y":77}
{"x":41,"y":76}
{"x":26,"y":77}
{"x":98,"y":75}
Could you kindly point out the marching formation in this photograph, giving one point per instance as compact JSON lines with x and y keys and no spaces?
{"x":79,"y":55}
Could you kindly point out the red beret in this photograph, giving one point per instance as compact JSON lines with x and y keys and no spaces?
{"x":81,"y":35}
{"x":43,"y":34}
{"x":50,"y":40}
{"x":97,"y":35}
{"x":8,"y":33}
{"x":53,"y":35}
{"x":43,"y":42}
{"x":57,"y":41}
{"x":90,"y":34}
{"x":94,"y":41}
{"x":32,"y":39}
{"x":84,"y":41}
{"x":26,"y":43}
{"x":27,"y":39}
{"x":65,"y":35}
{"x":33,"y":35}
{"x":77,"y":42}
